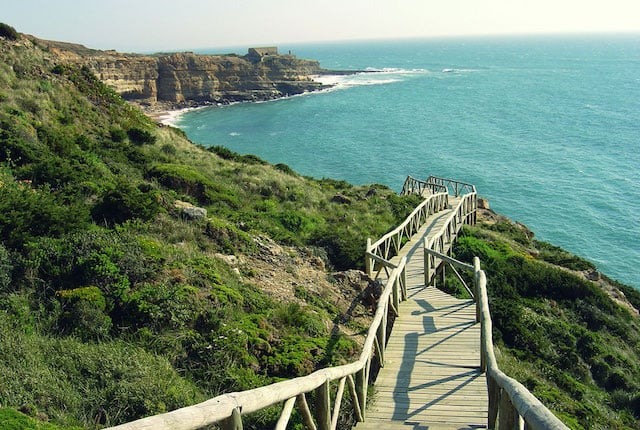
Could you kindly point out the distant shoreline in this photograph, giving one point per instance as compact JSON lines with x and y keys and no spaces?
{"x":168,"y":113}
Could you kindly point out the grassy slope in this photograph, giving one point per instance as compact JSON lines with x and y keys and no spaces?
{"x":114,"y":307}
{"x":559,"y":334}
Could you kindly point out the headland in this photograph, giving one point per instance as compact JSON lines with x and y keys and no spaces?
{"x":164,"y":82}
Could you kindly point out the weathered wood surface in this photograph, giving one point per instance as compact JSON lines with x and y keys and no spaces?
{"x":436,"y":376}
{"x":431,"y":378}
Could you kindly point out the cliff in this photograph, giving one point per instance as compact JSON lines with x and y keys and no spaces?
{"x":187,"y":79}
{"x":114,"y":305}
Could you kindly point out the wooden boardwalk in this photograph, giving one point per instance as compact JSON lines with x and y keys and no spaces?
{"x":431,"y":378}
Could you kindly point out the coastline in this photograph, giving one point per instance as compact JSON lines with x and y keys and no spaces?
{"x":168,"y":114}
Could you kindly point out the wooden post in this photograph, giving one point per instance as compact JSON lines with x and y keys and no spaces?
{"x":303,"y":407}
{"x":508,"y":418}
{"x":285,"y":415}
{"x":493,"y":391}
{"x":404,"y":283}
{"x":367,"y":260}
{"x":354,"y":399}
{"x":234,"y":422}
{"x":396,"y":294}
{"x":476,"y":284}
{"x":337,"y":403}
{"x":323,"y":407}
{"x":427,"y":264}
{"x":361,"y":388}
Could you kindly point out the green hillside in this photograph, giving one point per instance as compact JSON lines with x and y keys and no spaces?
{"x":558,"y":333}
{"x":116,"y":304}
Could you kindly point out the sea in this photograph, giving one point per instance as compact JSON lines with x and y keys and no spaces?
{"x":546,"y":127}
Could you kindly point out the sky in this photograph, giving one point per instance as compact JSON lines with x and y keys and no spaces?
{"x":168,"y":25}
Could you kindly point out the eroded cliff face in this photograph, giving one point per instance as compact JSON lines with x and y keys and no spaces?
{"x":188,"y":79}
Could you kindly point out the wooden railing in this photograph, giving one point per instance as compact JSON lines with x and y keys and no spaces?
{"x":379,"y":253}
{"x":440,"y":242}
{"x":422,"y":188}
{"x":227,"y":410}
{"x":455,"y":188}
{"x":511,"y":405}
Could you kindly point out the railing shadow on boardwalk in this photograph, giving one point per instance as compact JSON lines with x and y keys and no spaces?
{"x":412,"y":355}
{"x":509,"y":402}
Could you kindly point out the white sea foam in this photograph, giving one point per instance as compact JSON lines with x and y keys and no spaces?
{"x":172,"y":117}
{"x":371,"y":76}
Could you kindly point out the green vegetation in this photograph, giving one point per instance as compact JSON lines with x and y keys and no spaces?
{"x":113,"y":305}
{"x":8,"y":32}
{"x":559,"y":334}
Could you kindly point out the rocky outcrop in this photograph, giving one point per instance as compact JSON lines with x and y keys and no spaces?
{"x":188,"y":79}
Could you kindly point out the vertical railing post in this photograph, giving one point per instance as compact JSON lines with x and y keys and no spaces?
{"x":323,"y":407}
{"x":396,"y":292}
{"x":493,"y":391}
{"x":485,"y":326}
{"x":303,"y":407}
{"x":361,"y":390}
{"x":353,"y":391}
{"x":508,"y":418}
{"x":368,"y":260}
{"x":427,"y":263}
{"x":476,"y":286}
{"x":234,"y":422}
{"x":403,"y":276}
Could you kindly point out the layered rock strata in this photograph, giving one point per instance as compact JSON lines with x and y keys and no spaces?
{"x":185,"y":79}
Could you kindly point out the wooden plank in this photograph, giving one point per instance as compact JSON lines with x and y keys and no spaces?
{"x":432,"y":355}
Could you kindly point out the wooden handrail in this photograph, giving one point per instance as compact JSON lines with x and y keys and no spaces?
{"x":509,"y":400}
{"x":228,"y":408}
{"x":389,"y":245}
{"x":440,"y":241}
{"x":454,"y":187}
{"x":417,"y":186}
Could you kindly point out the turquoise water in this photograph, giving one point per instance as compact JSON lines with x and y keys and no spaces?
{"x":547,"y":128}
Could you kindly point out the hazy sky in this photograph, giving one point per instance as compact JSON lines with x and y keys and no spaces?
{"x":153,"y":25}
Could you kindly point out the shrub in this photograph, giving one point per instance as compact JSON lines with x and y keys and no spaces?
{"x":13,"y":419}
{"x":8,"y":32}
{"x":140,"y":136}
{"x":27,"y":214}
{"x":227,"y":154}
{"x":285,"y":169}
{"x":6,"y":267}
{"x":345,"y":248}
{"x":88,"y":384}
{"x":558,"y":256}
{"x":189,"y":181}
{"x":83,"y":313}
{"x":117,"y":134}
{"x":127,"y":202}
{"x":227,"y":237}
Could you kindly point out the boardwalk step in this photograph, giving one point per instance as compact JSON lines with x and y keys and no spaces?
{"x":431,"y":378}
{"x":379,"y":424}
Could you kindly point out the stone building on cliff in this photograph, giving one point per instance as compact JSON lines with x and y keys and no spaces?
{"x":257,"y":54}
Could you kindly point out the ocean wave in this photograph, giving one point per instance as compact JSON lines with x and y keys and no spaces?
{"x":370,"y":76}
{"x":395,"y":70}
{"x":456,"y":70}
